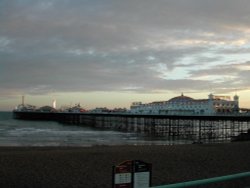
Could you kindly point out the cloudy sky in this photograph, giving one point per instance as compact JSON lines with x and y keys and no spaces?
{"x":112,"y":52}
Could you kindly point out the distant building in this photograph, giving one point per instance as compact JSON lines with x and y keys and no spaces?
{"x":106,"y":110}
{"x":100,"y":110}
{"x":25,"y":107}
{"x":75,"y":109}
{"x":119,"y":110}
{"x":184,"y":105}
{"x":46,"y":109}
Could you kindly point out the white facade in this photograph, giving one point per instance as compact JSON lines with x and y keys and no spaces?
{"x":183,"y":105}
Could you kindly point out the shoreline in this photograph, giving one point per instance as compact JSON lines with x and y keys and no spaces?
{"x":92,"y":166}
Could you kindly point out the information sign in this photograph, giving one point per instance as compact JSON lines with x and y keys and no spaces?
{"x":132,"y":174}
{"x":141,"y":180}
{"x":142,"y":174}
{"x":122,"y":175}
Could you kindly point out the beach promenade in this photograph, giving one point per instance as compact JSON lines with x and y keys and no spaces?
{"x":92,"y":166}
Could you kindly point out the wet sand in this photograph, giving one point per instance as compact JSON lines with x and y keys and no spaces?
{"x":92,"y":167}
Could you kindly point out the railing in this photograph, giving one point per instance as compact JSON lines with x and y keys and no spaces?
{"x":205,"y":181}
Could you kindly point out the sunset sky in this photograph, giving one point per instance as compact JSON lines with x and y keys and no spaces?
{"x":113,"y":52}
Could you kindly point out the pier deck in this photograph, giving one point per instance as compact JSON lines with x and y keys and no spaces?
{"x":186,"y":127}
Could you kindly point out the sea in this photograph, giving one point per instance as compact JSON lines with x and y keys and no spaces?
{"x":15,"y":132}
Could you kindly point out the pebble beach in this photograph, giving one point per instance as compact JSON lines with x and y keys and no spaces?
{"x":92,"y":166}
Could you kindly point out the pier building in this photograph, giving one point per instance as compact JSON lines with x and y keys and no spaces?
{"x":184,"y":105}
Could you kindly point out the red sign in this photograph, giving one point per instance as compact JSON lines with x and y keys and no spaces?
{"x":122,"y":175}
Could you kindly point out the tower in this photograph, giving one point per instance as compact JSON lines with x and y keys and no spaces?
{"x":236,"y":103}
{"x":23,"y":100}
{"x":210,"y":96}
{"x":211,"y":109}
{"x":236,"y":98}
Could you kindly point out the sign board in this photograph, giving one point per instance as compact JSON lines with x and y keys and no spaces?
{"x":142,"y":180}
{"x":122,"y":175}
{"x":132,"y":174}
{"x":142,"y":174}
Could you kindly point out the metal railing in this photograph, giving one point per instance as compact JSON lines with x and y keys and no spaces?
{"x":206,"y":181}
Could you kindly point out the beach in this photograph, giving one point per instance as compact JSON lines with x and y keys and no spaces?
{"x":92,"y":166}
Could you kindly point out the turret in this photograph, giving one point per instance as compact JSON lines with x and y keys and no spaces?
{"x":210,"y":102}
{"x":210,"y":96}
{"x":236,"y":103}
{"x":236,"y":98}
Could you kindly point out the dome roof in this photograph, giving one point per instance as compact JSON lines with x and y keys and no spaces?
{"x":181,"y":98}
{"x":46,"y":109}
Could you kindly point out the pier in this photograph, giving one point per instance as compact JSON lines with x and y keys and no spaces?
{"x":194,"y":128}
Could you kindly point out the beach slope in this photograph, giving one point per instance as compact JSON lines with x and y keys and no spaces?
{"x":92,"y":166}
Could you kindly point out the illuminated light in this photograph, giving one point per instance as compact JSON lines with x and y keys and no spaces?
{"x":54,"y":104}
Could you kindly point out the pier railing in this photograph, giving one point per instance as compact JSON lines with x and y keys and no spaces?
{"x":206,"y":181}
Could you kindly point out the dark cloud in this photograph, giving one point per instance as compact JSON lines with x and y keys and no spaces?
{"x":108,"y":45}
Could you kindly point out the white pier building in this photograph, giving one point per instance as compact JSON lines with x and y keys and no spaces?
{"x":184,"y":105}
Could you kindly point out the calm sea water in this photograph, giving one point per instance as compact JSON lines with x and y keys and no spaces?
{"x":48,"y":133}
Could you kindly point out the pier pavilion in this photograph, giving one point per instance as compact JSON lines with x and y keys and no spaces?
{"x":184,"y":105}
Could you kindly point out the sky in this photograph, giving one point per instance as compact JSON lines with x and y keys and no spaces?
{"x":110,"y":53}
